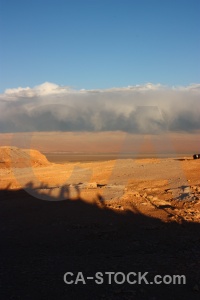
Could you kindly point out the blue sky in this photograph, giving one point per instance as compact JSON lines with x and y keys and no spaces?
{"x":99,"y":44}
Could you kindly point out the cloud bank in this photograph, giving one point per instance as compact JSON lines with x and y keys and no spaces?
{"x":140,"y":109}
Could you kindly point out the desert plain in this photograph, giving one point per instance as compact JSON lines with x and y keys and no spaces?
{"x":120,"y":215}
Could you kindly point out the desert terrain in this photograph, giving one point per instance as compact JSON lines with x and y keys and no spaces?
{"x":124,"y":215}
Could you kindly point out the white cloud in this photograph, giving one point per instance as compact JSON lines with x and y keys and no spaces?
{"x":148,"y":108}
{"x":46,"y":88}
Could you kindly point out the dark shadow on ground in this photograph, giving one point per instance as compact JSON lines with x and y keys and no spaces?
{"x":42,"y":240}
{"x":182,"y":159}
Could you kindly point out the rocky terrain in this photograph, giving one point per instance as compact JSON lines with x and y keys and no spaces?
{"x":166,"y":188}
{"x":124,"y":215}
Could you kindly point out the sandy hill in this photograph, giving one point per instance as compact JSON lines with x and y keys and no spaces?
{"x":21,"y":158}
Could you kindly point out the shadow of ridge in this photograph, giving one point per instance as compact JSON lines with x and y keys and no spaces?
{"x":41,"y":240}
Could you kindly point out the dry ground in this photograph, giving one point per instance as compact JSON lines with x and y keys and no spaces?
{"x":126,"y":215}
{"x":168,"y":189}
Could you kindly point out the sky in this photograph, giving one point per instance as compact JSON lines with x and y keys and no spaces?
{"x":98,"y":44}
{"x":100,"y":67}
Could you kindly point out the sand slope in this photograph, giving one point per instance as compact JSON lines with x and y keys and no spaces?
{"x":21,"y":158}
